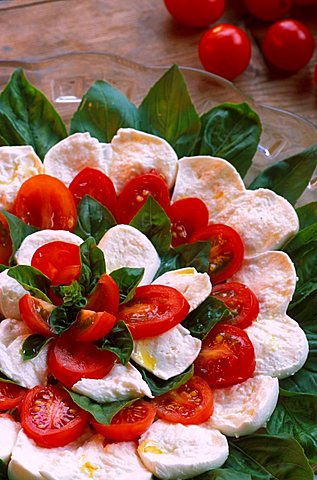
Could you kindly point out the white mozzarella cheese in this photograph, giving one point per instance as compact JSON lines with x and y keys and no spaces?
{"x":280,"y":345}
{"x":34,"y":241}
{"x":125,"y":246}
{"x":9,"y":431}
{"x":10,"y":293}
{"x":172,"y":451}
{"x":263,"y":219}
{"x":214,"y":180}
{"x":68,"y":157}
{"x":244,"y":408}
{"x":17,"y":164}
{"x":123,"y":382}
{"x":135,"y":152}
{"x":168,"y":354}
{"x":195,"y":287}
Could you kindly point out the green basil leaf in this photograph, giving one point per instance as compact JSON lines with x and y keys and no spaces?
{"x":29,"y":117}
{"x":3,"y":268}
{"x":222,"y":474}
{"x":119,"y":341}
{"x":3,"y":470}
{"x":168,"y":112}
{"x":159,"y":386}
{"x":93,"y":265}
{"x":289,"y":177}
{"x":194,"y":255}
{"x":102,"y":111}
{"x":62,"y":318}
{"x":231,"y":131}
{"x":18,"y":231}
{"x":32,"y":280}
{"x":307,"y":214}
{"x":32,"y":346}
{"x":152,"y":220}
{"x":72,"y":295}
{"x":93,"y":219}
{"x":127,"y":280}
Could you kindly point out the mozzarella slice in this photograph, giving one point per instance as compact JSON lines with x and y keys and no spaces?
{"x":195,"y":287}
{"x":9,"y":431}
{"x":168,"y":354}
{"x":212,"y":179}
{"x":10,"y":293}
{"x":135,"y":152}
{"x":68,"y":157}
{"x":263,"y":219}
{"x":32,"y":242}
{"x":272,"y":277}
{"x":244,"y":408}
{"x":125,"y":246}
{"x":280,"y":345}
{"x":172,"y":451}
{"x":17,"y":164}
{"x":122,"y":383}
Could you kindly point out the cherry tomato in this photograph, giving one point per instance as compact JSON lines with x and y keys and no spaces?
{"x":227,"y":250}
{"x":35,"y":314}
{"x":70,"y":361}
{"x":153,"y":310}
{"x":226,"y":357}
{"x":105,"y":297}
{"x":187,"y":215}
{"x":225,"y":50}
{"x":5,"y":241}
{"x":91,"y":326}
{"x":241,"y":300}
{"x":51,"y":418}
{"x":268,"y":9}
{"x":306,"y":3}
{"x":11,"y":395}
{"x":195,"y":13}
{"x":45,"y":202}
{"x":191,"y":403}
{"x":136,"y":192}
{"x":288,"y":45}
{"x":59,"y":261}
{"x":129,"y":423}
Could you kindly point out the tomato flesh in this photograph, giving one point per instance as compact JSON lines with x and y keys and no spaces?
{"x":187,"y":215}
{"x":5,"y":241}
{"x":35,"y":314}
{"x":268,"y":9}
{"x":200,"y":13}
{"x":105,"y":297}
{"x":11,"y":395}
{"x":91,"y":326}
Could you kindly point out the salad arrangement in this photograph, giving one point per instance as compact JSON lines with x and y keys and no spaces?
{"x":74,"y":301}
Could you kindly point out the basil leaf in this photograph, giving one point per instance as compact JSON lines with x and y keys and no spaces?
{"x":127,"y":280}
{"x":62,"y":318}
{"x":32,"y":346}
{"x":289,"y":177}
{"x":231,"y":131}
{"x":18,"y":232}
{"x":32,"y":280}
{"x":72,"y":295}
{"x":119,"y":341}
{"x":152,"y":220}
{"x":93,"y":265}
{"x":93,"y":219}
{"x":102,"y":111}
{"x":159,"y":386}
{"x":222,"y":474}
{"x":307,"y":214}
{"x":194,"y":255}
{"x":31,"y":118}
{"x":3,"y":470}
{"x":168,"y":112}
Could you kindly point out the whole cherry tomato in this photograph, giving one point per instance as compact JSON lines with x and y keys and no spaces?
{"x":195,"y":13}
{"x":268,"y":9}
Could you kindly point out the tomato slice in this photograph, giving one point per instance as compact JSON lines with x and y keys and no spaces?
{"x":241,"y":300}
{"x":45,"y":202}
{"x":70,"y":361}
{"x":191,"y":403}
{"x":51,"y":418}
{"x":153,"y":310}
{"x":105,"y":297}
{"x":59,"y":261}
{"x":35,"y":314}
{"x":91,"y":326}
{"x":5,"y":241}
{"x":227,"y":357}
{"x":11,"y":395}
{"x":129,"y":423}
{"x":227,"y":250}
{"x":187,"y":215}
{"x":136,"y":192}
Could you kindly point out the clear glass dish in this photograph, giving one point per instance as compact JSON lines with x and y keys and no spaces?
{"x":65,"y":78}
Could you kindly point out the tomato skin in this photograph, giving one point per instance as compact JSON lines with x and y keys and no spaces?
{"x":35,"y":314}
{"x":191,"y":403}
{"x":315,"y":75}
{"x":187,"y":215}
{"x":43,"y":408}
{"x":5,"y":241}
{"x":129,"y":423}
{"x":268,"y":10}
{"x":198,"y":13}
{"x":153,"y":310}
{"x":11,"y":395}
{"x":105,"y":297}
{"x":225,"y":50}
{"x":288,"y":45}
{"x":91,"y":326}
{"x":45,"y":202}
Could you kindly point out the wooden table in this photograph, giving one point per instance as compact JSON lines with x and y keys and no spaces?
{"x":143,"y":31}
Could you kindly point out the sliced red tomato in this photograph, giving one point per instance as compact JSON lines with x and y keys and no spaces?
{"x":105,"y":297}
{"x":11,"y":395}
{"x":70,"y":361}
{"x":191,"y":403}
{"x":45,"y":202}
{"x":242,"y":302}
{"x":91,"y":326}
{"x":35,"y":314}
{"x":227,"y":250}
{"x":5,"y":241}
{"x":153,"y":310}
{"x":187,"y":215}
{"x":129,"y":423}
{"x":226,"y":357}
{"x":51,"y":418}
{"x":59,"y":261}
{"x":136,"y":192}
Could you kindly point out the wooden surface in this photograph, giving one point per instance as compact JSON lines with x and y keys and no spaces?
{"x":143,"y":31}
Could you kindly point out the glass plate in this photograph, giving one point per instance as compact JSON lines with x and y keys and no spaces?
{"x":65,"y":78}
